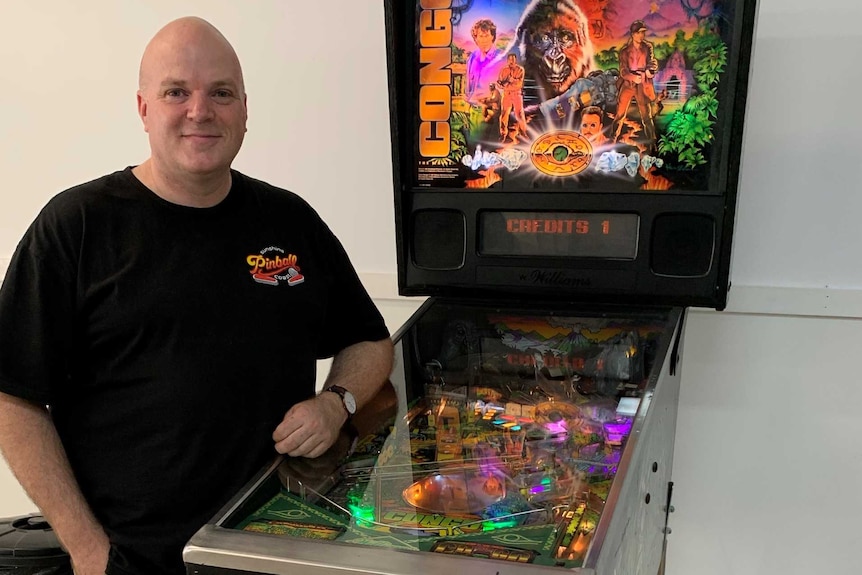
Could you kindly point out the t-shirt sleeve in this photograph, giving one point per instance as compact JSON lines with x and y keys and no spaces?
{"x":36,"y":313}
{"x":351,"y":316}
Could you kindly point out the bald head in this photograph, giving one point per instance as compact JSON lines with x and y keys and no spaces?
{"x":192,"y":103}
{"x":189,"y":39}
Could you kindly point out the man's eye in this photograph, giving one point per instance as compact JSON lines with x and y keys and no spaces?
{"x":173,"y":93}
{"x":222,"y":94}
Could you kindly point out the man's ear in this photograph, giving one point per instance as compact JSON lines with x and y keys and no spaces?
{"x":142,"y":110}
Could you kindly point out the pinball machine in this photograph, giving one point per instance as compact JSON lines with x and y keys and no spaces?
{"x":565,"y":177}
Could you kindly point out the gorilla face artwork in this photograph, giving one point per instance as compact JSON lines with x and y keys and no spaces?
{"x":555,"y":42}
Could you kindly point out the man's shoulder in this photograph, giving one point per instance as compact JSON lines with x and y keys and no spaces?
{"x":119,"y":177}
{"x":263,"y":186}
{"x":270,"y":193}
{"x":65,"y":216}
{"x":116,"y":184}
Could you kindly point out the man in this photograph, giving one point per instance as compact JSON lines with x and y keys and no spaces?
{"x":511,"y":79}
{"x":637,"y":68}
{"x":592,"y":128}
{"x":491,"y":105}
{"x":170,"y":315}
{"x":484,"y":33}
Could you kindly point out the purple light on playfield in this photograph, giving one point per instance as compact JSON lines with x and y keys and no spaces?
{"x":556,"y":427}
{"x":620,"y":426}
{"x":618,"y":430}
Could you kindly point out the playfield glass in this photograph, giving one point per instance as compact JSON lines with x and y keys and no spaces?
{"x":502,"y":440}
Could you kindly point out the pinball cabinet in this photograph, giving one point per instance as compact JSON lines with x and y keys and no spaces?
{"x":565,"y":177}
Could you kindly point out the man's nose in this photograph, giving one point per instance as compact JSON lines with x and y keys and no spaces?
{"x":200,"y":108}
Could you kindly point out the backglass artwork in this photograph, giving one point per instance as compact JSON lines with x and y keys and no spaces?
{"x":572,"y":95}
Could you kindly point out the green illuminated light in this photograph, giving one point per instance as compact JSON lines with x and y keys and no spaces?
{"x":493,"y":525}
{"x":362,"y":513}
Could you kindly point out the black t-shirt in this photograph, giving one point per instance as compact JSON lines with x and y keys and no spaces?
{"x":169,"y":342}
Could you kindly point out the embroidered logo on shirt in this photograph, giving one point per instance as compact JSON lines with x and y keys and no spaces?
{"x":272,"y":266}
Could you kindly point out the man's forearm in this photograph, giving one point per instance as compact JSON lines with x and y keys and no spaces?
{"x":32,"y":448}
{"x":310,"y":427}
{"x":362,"y":368}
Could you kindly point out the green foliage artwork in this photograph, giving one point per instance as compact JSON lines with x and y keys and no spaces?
{"x":690,"y":128}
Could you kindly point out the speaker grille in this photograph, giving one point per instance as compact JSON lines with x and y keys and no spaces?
{"x":682,"y":245}
{"x":439,"y":239}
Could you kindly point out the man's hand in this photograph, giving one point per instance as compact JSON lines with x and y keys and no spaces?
{"x":312,"y":471}
{"x":309,"y":428}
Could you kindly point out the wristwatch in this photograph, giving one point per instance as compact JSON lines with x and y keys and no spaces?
{"x":347,"y":399}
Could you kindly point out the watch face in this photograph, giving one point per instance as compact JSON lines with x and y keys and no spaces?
{"x":349,"y":402}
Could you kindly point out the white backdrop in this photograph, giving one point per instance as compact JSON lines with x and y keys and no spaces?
{"x":768,"y":452}
{"x":317,"y":97}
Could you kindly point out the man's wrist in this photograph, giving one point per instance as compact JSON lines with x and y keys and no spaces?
{"x":335,"y":403}
{"x":348,"y":400}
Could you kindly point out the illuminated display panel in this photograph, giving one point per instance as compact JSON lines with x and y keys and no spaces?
{"x":572,"y":95}
{"x":559,"y":234}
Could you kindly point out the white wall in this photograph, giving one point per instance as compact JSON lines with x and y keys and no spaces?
{"x":768,"y":451}
{"x":317,"y":96}
{"x":799,"y":201}
{"x":768,"y":456}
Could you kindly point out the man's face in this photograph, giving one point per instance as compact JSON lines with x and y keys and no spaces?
{"x":639,"y":36}
{"x":591,"y":126}
{"x":483,"y":40}
{"x":512,"y":60}
{"x":193,"y":106}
